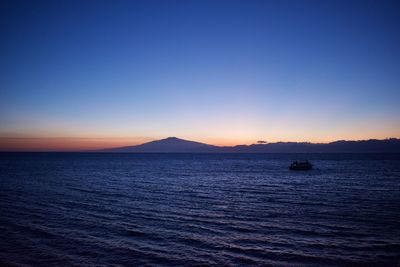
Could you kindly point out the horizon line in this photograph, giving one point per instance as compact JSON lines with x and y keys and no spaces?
{"x":100,"y":148}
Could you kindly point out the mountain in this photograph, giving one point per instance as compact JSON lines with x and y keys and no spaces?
{"x":176,"y":145}
{"x":168,"y":145}
{"x":363,"y":146}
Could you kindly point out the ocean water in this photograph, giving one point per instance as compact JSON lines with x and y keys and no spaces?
{"x":88,"y":209}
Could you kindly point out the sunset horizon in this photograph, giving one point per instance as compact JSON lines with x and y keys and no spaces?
{"x":76,"y":144}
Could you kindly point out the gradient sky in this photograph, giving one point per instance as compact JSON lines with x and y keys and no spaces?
{"x":88,"y":74}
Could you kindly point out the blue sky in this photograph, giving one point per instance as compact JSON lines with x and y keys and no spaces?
{"x":222,"y":72}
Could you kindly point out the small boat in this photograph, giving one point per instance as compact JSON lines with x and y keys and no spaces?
{"x":300,"y":166}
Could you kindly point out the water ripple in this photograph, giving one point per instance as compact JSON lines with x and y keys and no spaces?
{"x":198,"y":210}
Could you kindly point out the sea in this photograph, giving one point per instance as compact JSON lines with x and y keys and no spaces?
{"x":122,"y":209}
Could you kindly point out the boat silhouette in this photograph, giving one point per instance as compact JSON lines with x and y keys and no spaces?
{"x":300,"y":166}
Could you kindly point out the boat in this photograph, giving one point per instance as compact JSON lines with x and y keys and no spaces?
{"x":300,"y":166}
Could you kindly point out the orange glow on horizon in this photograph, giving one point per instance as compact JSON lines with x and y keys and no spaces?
{"x":65,"y":143}
{"x":97,"y":143}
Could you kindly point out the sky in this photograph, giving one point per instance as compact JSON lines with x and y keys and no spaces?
{"x":93,"y":74}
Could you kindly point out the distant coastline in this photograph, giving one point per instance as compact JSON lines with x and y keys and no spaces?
{"x":177,"y":145}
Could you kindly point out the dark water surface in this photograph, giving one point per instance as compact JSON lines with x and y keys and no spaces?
{"x":77,"y":209}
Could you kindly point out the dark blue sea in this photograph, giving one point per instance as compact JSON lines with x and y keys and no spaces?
{"x":89,"y":209}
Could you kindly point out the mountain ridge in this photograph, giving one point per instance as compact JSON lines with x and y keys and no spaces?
{"x":177,"y":145}
{"x":167,"y":145}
